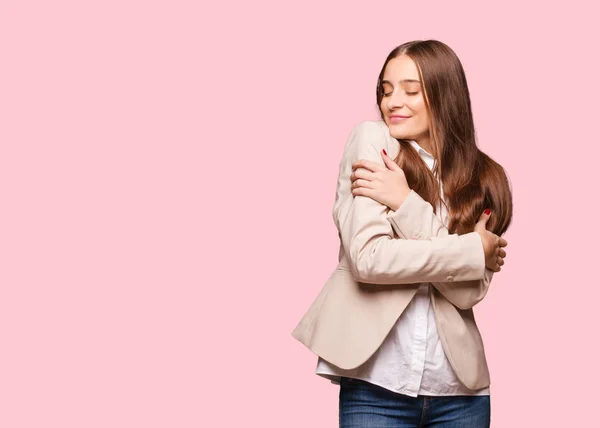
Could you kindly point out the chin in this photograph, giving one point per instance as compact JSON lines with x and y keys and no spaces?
{"x":397,"y":132}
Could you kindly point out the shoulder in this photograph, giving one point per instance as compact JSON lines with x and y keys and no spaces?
{"x":370,"y":128}
{"x":369,"y":133}
{"x":366,"y":140}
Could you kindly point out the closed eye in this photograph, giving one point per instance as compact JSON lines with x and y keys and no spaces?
{"x":407,"y":93}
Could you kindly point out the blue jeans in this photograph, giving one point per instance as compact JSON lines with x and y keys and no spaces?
{"x":363,"y":404}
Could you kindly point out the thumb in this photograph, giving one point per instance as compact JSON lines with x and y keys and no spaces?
{"x":389,"y":162}
{"x":483,"y":219}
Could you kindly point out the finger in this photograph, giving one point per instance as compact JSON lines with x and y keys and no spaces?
{"x":371,"y":166}
{"x":500,"y":261}
{"x":502,"y":242}
{"x":494,"y":267}
{"x":389,"y":162}
{"x":362,"y":183}
{"x":363,"y":173}
{"x":501,"y":252}
{"x":484,"y":217}
{"x":362,"y":191}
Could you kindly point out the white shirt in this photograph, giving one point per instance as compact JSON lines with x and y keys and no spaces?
{"x":411,"y":359}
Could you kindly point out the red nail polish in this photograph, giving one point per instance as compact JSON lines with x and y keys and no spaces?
{"x":384,"y":152}
{"x":487,"y":211}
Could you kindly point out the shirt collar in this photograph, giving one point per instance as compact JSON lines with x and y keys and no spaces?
{"x":426,"y":156}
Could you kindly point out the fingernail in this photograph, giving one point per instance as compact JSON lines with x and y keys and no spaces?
{"x":384,"y":152}
{"x":487,"y":211}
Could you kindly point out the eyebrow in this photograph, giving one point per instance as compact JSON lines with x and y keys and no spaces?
{"x":400,"y":81}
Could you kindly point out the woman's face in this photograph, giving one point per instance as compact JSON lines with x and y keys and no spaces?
{"x":403,"y":102}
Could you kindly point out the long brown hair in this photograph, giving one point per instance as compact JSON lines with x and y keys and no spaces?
{"x":472,"y":181}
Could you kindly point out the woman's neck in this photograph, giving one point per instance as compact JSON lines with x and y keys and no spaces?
{"x":425,"y":144}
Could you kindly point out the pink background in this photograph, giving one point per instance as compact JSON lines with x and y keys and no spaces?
{"x":167,"y":172}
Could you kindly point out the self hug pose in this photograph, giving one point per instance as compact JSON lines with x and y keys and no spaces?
{"x":420,"y":212}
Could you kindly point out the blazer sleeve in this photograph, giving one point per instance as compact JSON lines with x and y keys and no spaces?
{"x":375,"y":255}
{"x":415,"y":219}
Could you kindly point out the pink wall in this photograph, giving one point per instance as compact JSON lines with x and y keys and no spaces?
{"x":167,"y":172}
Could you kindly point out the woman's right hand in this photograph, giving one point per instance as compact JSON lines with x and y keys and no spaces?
{"x":493,"y":245}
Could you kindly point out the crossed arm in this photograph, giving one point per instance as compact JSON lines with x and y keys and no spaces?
{"x":415,"y":219}
{"x":455,"y":264}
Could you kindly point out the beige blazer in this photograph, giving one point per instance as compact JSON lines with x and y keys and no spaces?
{"x":384,"y":256}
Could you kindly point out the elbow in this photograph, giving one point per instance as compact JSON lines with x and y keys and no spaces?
{"x":362,"y":270}
{"x":361,"y":264}
{"x":375,"y":263}
{"x":467,"y":303}
{"x":472,"y":297}
{"x":368,"y":268}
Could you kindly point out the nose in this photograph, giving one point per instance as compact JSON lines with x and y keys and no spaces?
{"x":395,"y":100}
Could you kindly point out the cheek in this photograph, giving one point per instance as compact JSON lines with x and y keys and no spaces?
{"x":418,"y":106}
{"x":420,"y":110}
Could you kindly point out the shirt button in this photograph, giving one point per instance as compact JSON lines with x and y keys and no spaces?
{"x":450,"y":278}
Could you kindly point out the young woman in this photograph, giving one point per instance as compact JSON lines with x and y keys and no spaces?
{"x":420,"y":238}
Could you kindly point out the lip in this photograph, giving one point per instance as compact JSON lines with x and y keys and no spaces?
{"x":398,"y":118}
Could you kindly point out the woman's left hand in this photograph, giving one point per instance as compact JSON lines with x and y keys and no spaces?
{"x":385,"y":184}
